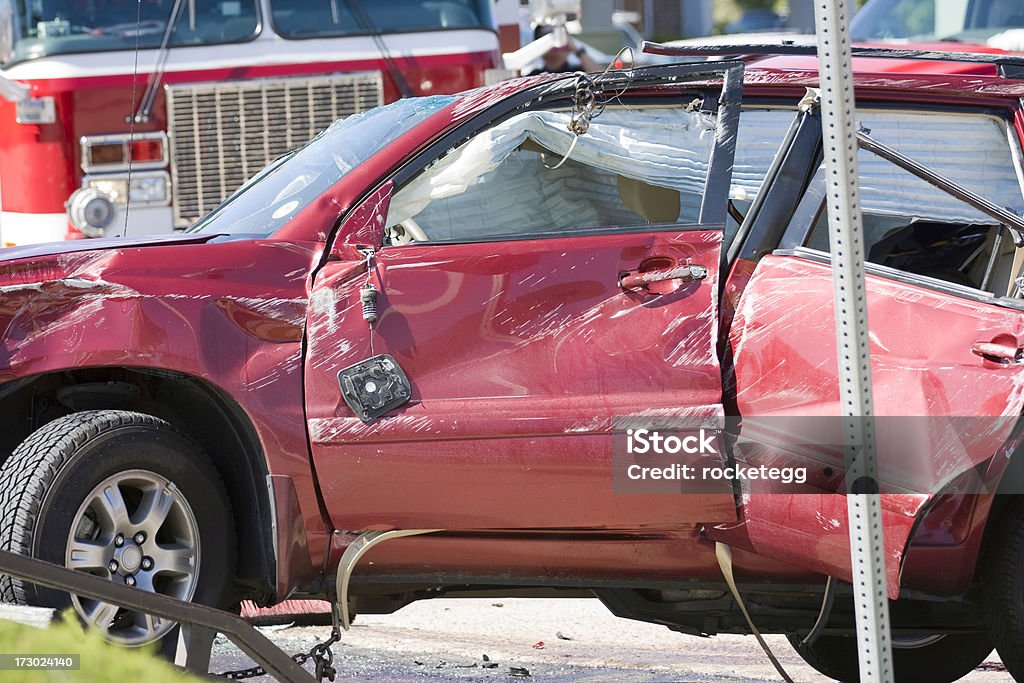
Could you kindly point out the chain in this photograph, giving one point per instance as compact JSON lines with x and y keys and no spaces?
{"x":585,"y":104}
{"x":320,"y":653}
{"x":586,"y":107}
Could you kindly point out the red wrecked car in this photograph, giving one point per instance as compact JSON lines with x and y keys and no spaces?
{"x":464,"y":318}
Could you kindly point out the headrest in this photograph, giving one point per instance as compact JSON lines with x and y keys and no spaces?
{"x":655,"y":204}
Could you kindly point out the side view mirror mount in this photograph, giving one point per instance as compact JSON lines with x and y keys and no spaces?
{"x":364,"y":227}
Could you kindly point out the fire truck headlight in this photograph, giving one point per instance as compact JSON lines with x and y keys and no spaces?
{"x":90,"y":211}
{"x":145,"y":188}
{"x":115,"y":189}
{"x":150,"y":189}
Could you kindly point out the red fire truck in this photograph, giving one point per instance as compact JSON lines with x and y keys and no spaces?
{"x":172,"y":104}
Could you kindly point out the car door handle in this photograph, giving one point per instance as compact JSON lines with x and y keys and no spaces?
{"x":1004,"y":350}
{"x":639,"y":279}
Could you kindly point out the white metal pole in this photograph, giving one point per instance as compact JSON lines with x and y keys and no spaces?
{"x":839,"y":132}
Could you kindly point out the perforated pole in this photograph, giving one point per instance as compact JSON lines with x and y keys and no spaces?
{"x":867,"y":551}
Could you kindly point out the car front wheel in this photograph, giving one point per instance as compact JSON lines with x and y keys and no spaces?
{"x":123,"y":496}
{"x":941,"y":658}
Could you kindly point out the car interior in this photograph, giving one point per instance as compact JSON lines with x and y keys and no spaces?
{"x":913,"y":227}
{"x":536,"y":189}
{"x":973,"y":252}
{"x":528,"y":181}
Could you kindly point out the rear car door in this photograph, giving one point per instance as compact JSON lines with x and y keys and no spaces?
{"x":535,"y":289}
{"x":946,"y":330}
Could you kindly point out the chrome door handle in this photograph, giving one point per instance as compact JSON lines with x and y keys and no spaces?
{"x":1000,"y":352}
{"x":637,"y":279}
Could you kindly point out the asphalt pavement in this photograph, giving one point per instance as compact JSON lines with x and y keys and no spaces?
{"x":538,"y":640}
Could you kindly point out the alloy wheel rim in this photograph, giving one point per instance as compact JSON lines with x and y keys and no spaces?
{"x":135,"y":527}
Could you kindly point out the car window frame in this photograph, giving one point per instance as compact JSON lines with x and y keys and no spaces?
{"x":813,"y":206}
{"x":555,"y":94}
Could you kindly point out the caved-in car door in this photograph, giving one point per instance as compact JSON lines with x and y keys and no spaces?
{"x":946,"y":338}
{"x":530,"y":300}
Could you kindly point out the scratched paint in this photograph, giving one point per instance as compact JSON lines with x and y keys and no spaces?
{"x":232,"y":314}
{"x":504,"y":354}
{"x":521,"y":362}
{"x":784,"y":352}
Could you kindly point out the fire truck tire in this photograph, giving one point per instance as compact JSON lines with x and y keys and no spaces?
{"x":936,"y":659}
{"x":125,"y":496}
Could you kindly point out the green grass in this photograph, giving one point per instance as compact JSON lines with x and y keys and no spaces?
{"x":101,"y":662}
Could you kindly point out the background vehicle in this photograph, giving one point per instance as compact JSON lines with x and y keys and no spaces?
{"x":223,"y":88}
{"x":756,"y":20}
{"x":248,"y":371}
{"x":964,"y":25}
{"x":979,"y":26}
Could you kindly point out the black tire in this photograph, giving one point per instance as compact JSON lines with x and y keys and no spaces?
{"x":48,"y":482}
{"x":945,"y":659}
{"x":1004,"y":588}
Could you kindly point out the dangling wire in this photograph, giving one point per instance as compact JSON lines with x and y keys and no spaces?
{"x":368,"y":297}
{"x":585,"y":104}
{"x":572,"y":146}
{"x":369,"y":267}
{"x":604,"y":74}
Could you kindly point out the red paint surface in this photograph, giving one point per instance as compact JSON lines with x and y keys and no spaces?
{"x":677,"y":556}
{"x":232,"y":314}
{"x":946,"y":548}
{"x":38,"y":169}
{"x":521,"y":354}
{"x":784,"y":353}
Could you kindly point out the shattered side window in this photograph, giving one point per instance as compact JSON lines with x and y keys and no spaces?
{"x":914,"y":227}
{"x":529,"y":176}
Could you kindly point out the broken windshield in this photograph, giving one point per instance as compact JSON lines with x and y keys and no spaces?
{"x":295,"y":180}
{"x":66,"y":26}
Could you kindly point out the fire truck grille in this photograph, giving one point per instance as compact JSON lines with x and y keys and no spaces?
{"x":221,"y":134}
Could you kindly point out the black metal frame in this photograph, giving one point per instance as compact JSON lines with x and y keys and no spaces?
{"x":1011,"y":220}
{"x":253,"y":643}
{"x":812,"y":205}
{"x":1008,"y":66}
